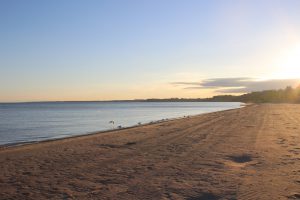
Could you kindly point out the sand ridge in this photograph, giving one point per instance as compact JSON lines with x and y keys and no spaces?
{"x":247,"y":153}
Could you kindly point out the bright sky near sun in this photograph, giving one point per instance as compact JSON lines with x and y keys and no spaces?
{"x":128,"y":49}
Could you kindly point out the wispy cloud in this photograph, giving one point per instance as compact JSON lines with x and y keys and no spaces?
{"x":238,"y":85}
{"x":186,"y":83}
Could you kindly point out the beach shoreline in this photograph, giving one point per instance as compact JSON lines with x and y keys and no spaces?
{"x":12,"y":145}
{"x":233,"y":154}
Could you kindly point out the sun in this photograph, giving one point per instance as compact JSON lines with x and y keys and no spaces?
{"x":288,"y":65}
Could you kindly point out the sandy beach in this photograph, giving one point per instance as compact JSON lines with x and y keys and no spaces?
{"x":247,"y":153}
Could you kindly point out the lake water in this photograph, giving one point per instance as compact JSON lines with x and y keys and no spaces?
{"x":29,"y":122}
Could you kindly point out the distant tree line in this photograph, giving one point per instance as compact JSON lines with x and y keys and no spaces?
{"x":287,"y":95}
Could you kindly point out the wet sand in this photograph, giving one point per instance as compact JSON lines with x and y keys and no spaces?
{"x":247,"y":153}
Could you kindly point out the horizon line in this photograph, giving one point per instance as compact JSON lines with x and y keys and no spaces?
{"x":120,"y":100}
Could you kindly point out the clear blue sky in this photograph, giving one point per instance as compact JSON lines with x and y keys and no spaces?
{"x":126,"y":49}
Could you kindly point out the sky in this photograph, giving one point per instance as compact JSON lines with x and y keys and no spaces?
{"x":72,"y":50}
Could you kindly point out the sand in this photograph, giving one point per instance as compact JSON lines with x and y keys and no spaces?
{"x":247,"y":153}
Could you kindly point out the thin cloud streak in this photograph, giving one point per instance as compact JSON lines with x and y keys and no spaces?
{"x":186,"y":83}
{"x":238,"y":85}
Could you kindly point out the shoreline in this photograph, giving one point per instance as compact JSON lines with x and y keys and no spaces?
{"x":234,"y":154}
{"x":18,"y":144}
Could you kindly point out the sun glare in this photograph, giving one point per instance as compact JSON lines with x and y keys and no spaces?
{"x":289,"y":64}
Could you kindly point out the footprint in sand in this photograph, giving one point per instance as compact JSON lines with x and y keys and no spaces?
{"x":294,"y":196}
{"x":281,"y":141}
{"x":204,"y":196}
{"x":293,"y":151}
{"x":239,"y":160}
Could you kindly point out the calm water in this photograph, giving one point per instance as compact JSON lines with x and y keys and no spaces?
{"x":28,"y":122}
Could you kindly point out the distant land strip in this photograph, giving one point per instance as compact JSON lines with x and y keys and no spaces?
{"x":287,"y":95}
